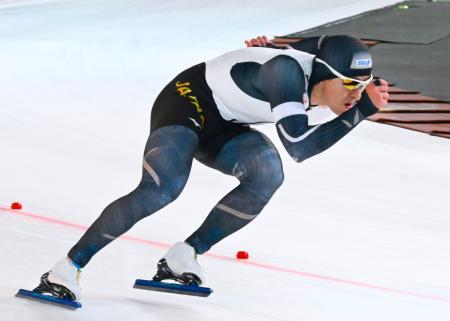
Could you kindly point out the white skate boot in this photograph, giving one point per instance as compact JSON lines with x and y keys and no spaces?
{"x":62,"y":281}
{"x":180,"y":264}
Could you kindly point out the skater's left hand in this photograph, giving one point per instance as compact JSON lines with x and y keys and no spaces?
{"x":378,"y":93}
{"x":260,"y":41}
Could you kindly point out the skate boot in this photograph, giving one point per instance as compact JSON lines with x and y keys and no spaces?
{"x":180,"y":264}
{"x":62,"y":281}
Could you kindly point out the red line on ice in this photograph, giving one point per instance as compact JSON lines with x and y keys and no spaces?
{"x":250,"y":263}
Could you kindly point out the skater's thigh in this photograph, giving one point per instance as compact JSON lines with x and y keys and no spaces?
{"x":169,"y":153}
{"x":247,"y":154}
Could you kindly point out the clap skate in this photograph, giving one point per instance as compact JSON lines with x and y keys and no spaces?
{"x":59,"y":286}
{"x":177,"y":272}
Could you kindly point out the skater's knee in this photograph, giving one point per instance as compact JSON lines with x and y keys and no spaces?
{"x":151,"y":195}
{"x":266,"y":187}
{"x":171,"y":189}
{"x":263,"y":171}
{"x":274,"y":173}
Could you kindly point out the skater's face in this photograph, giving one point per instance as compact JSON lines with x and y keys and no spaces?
{"x":339,"y":98}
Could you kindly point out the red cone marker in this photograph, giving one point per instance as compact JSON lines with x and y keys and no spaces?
{"x":16,"y":206}
{"x":242,"y":255}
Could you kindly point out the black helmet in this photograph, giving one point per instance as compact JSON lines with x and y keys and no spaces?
{"x":347,"y":55}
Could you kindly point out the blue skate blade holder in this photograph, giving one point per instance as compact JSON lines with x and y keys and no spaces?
{"x":44,"y":298}
{"x":172,"y":288}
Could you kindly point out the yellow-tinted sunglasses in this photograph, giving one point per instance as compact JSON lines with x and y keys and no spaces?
{"x":347,"y":82}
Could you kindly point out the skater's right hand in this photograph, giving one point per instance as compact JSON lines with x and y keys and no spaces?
{"x":260,"y":41}
{"x":378,"y":93}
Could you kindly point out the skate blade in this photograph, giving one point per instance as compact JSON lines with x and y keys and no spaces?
{"x":172,"y":288}
{"x":31,"y":295}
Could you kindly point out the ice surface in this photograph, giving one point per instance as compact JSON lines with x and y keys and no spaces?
{"x":360,"y":232}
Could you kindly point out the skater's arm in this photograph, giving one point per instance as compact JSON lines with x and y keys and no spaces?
{"x":282,"y":81}
{"x":303,"y":141}
{"x":309,"y":45}
{"x":261,"y":41}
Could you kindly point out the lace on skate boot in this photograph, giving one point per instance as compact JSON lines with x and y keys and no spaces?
{"x":184,"y":271}
{"x":186,"y":283}
{"x":165,"y":273}
{"x":56,"y":290}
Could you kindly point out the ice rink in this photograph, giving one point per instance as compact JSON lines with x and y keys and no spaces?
{"x":359,"y":232}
